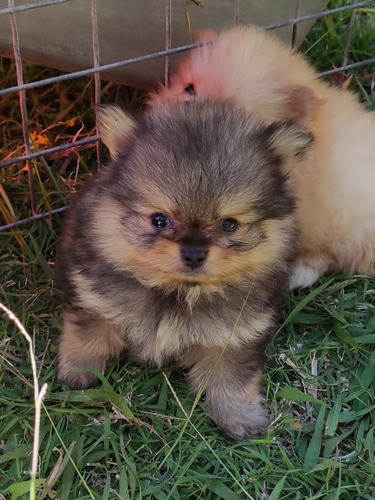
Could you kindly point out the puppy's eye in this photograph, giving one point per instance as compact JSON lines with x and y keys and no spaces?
{"x":161,"y":221}
{"x":229,"y":225}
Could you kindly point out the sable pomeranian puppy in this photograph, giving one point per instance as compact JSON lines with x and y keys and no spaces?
{"x":335,"y":184}
{"x":180,"y":252}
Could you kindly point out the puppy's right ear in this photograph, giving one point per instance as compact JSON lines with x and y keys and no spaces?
{"x":115,"y":127}
{"x":302,"y":104}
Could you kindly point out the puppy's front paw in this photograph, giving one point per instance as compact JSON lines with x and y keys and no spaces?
{"x":302,"y":276}
{"x":240,"y":421}
{"x":68,"y":374}
{"x":86,"y":341}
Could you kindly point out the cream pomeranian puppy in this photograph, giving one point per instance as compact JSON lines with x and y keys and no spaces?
{"x":335,"y":182}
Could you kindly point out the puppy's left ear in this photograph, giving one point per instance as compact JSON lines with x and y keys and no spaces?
{"x":289,"y":144}
{"x":116,"y":127}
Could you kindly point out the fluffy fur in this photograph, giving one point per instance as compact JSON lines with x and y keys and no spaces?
{"x":180,"y":252}
{"x":335,"y":184}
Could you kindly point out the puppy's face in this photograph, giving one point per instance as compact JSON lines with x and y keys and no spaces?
{"x":196,"y":195}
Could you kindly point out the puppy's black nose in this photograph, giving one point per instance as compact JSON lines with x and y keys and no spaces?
{"x":193,"y":257}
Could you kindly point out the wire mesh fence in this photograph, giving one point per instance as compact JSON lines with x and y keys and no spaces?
{"x":22,"y":87}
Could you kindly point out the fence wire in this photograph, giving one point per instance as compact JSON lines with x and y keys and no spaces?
{"x":97,"y":68}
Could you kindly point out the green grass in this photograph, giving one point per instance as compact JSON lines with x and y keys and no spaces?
{"x":319,"y":382}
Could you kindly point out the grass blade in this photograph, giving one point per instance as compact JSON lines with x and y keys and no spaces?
{"x":314,"y":447}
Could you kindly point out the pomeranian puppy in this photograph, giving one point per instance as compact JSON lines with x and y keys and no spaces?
{"x":335,"y":184}
{"x":181,"y":251}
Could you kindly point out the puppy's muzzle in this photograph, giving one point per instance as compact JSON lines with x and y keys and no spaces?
{"x":193,"y":257}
